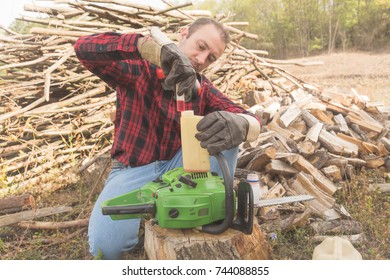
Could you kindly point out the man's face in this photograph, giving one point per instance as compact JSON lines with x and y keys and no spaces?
{"x":203,"y":47}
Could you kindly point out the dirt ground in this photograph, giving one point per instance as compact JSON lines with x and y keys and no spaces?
{"x":367,"y":73}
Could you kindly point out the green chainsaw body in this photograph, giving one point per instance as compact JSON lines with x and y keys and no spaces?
{"x":174,"y":202}
{"x":183,"y":199}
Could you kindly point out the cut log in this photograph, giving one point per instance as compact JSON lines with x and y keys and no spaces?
{"x":270,"y":111}
{"x":32,"y":214}
{"x":17,"y":203}
{"x":322,"y":204}
{"x":306,"y":148}
{"x":364,"y":121}
{"x":336,"y":227}
{"x":339,"y":119}
{"x":342,"y":98}
{"x":314,"y":132}
{"x":248,"y":154}
{"x":291,"y":114}
{"x":322,"y":116}
{"x":261,"y":159}
{"x":189,"y":244}
{"x":319,"y":158}
{"x":333,"y":172}
{"x":386,"y":143}
{"x":320,"y":180}
{"x":337,"y":145}
{"x":281,"y":168}
{"x":364,"y":147}
{"x":373,"y":161}
{"x":275,"y":191}
{"x":309,"y":119}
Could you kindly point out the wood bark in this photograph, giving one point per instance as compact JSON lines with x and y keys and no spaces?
{"x":189,"y":244}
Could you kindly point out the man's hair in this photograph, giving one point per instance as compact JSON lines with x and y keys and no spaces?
{"x":205,"y":21}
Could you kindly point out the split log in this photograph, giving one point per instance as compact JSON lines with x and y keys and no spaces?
{"x":307,"y":148}
{"x":275,"y":191}
{"x":364,"y":121}
{"x":339,"y":119}
{"x":189,"y":244}
{"x":333,"y":172}
{"x":314,"y":132}
{"x":337,"y":145}
{"x":364,"y":147}
{"x":373,"y":161}
{"x":322,"y":204}
{"x":261,"y":159}
{"x":17,"y":203}
{"x":281,"y":168}
{"x":320,"y":180}
{"x":291,"y":114}
{"x":322,"y":116}
{"x":319,"y":158}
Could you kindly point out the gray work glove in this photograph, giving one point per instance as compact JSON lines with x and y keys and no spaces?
{"x":158,"y":49}
{"x":219,"y":131}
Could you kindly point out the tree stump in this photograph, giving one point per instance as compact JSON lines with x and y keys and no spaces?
{"x":191,"y":244}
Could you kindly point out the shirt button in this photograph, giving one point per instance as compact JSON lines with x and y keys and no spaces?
{"x":127,"y":47}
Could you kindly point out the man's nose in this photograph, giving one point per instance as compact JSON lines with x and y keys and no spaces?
{"x":202,"y":57}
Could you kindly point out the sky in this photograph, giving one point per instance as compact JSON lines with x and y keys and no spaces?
{"x":14,"y":8}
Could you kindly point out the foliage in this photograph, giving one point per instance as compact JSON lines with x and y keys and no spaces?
{"x":288,"y":28}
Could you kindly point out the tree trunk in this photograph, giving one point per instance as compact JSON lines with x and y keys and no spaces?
{"x":190,"y":244}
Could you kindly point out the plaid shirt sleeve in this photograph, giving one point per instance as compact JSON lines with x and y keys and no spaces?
{"x":107,"y":55}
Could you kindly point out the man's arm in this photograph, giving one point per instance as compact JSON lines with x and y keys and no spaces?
{"x":111,"y":56}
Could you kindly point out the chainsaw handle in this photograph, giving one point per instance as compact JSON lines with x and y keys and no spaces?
{"x":129,"y":209}
{"x":229,"y":199}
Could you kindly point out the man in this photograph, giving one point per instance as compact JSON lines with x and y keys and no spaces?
{"x":147,"y":123}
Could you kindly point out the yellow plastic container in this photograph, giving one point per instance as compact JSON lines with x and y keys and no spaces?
{"x":336,"y":248}
{"x":195,"y":158}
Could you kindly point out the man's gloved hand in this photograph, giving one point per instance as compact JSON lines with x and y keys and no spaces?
{"x":180,"y":75}
{"x":221,"y":131}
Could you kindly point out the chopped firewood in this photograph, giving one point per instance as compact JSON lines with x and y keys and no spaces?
{"x":280,"y":167}
{"x":320,"y":180}
{"x":319,"y":158}
{"x":332,"y":172}
{"x":261,"y":159}
{"x":303,"y":184}
{"x":373,"y":161}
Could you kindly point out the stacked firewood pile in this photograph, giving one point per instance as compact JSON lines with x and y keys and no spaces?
{"x":55,"y":115}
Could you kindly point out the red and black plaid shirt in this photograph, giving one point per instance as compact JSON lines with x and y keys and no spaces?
{"x":147,"y":123}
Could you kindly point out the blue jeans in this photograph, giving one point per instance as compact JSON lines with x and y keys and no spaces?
{"x":112,"y":238}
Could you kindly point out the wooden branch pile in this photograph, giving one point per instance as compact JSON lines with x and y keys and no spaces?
{"x":55,"y":115}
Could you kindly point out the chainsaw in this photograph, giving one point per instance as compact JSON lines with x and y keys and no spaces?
{"x":181,"y":199}
{"x":202,"y":200}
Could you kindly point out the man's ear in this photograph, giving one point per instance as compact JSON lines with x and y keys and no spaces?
{"x":183,"y":33}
